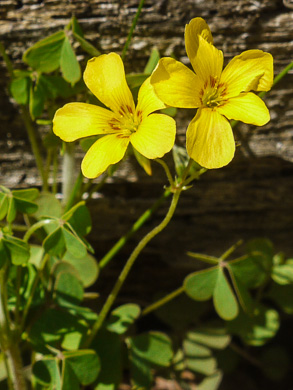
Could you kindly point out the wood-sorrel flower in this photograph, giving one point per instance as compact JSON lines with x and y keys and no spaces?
{"x":152,"y":135}
{"x":218,"y":94}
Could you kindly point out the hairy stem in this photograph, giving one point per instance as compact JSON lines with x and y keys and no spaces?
{"x":121,"y":279}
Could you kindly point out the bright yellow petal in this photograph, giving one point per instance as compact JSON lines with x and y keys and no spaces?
{"x":78,"y":120}
{"x":105,"y":151}
{"x":251,"y":70}
{"x":208,"y":61}
{"x":155,"y":136}
{"x":247,"y":108}
{"x":175,"y":84}
{"x":196,"y":27}
{"x":209,"y":139}
{"x":105,"y":77}
{"x":148,"y":101}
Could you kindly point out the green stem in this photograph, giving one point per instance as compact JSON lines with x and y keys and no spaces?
{"x":68,"y":171}
{"x":162,"y":301}
{"x":167,"y":171}
{"x":35,"y":227}
{"x":125,"y":48}
{"x":7,"y":60}
{"x":9,"y":346}
{"x":14,"y":357}
{"x":55,"y":172}
{"x":34,"y":144}
{"x":135,"y":227}
{"x":74,"y":192}
{"x":121,"y":279}
{"x":32,"y":292}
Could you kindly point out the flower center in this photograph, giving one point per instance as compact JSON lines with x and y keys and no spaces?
{"x":128,"y":122}
{"x":212,"y":94}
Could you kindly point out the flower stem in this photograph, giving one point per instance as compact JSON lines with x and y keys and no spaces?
{"x":125,"y":48}
{"x":135,"y":227}
{"x":163,"y":301}
{"x":34,"y":145}
{"x":68,"y":171}
{"x":121,"y":279}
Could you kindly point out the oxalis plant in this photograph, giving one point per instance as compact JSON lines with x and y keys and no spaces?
{"x":50,"y":338}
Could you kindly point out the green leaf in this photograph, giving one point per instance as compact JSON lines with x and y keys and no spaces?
{"x":18,"y":250}
{"x":171,"y":111}
{"x":140,"y":370}
{"x":54,"y":243}
{"x":283,"y":274}
{"x":69,"y":379}
{"x":255,"y":330}
{"x":19,"y":89}
{"x":198,"y":358}
{"x":76,"y":27}
{"x":73,"y":244}
{"x":85,"y":364}
{"x":86,"y":267}
{"x":45,"y":55}
{"x":210,"y":337}
{"x":68,"y":290}
{"x":86,"y":46}
{"x":4,"y":255}
{"x":68,"y":63}
{"x":53,"y":327}
{"x":79,"y":218}
{"x":28,"y":194}
{"x":48,"y":205}
{"x":3,"y":205}
{"x":152,"y":62}
{"x":200,"y":285}
{"x":242,"y":292}
{"x":153,"y":347}
{"x":143,"y":162}
{"x":56,"y":86}
{"x":211,"y":382}
{"x":11,"y":212}
{"x":123,"y":317}
{"x":224,"y":299}
{"x":136,"y":80}
{"x":250,"y":271}
{"x":181,"y":160}
{"x":108,"y":348}
{"x":46,"y":372}
{"x":37,"y":100}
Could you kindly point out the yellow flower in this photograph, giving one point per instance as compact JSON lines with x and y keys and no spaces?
{"x":152,"y":135}
{"x":218,"y":94}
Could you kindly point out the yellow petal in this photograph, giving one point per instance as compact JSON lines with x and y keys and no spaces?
{"x":155,"y":136}
{"x":209,"y":139}
{"x":251,"y":70}
{"x":196,"y":27}
{"x":78,"y":120}
{"x":105,"y":77}
{"x":175,"y":84}
{"x":208,"y":61}
{"x":247,"y":108}
{"x":148,"y":101}
{"x":105,"y":151}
